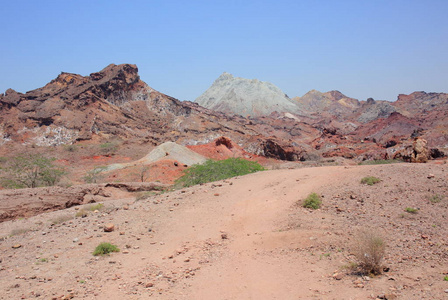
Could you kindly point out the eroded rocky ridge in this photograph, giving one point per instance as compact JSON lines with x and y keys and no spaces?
{"x":116,"y":103}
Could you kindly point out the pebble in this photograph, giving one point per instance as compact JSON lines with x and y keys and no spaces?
{"x":16,"y":246}
{"x":338,"y":276}
{"x":109,"y":227}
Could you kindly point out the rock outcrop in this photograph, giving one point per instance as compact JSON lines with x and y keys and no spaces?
{"x":116,"y":103}
{"x":245,"y":97}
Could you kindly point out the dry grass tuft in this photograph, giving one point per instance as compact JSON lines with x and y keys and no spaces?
{"x":369,"y":251}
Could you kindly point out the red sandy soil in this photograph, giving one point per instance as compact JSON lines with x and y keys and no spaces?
{"x":223,"y":148}
{"x":164,"y":171}
{"x":242,"y":238}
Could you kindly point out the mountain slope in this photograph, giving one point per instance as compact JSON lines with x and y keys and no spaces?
{"x":245,"y":97}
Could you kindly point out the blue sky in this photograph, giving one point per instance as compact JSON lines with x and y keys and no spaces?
{"x":362,"y":48}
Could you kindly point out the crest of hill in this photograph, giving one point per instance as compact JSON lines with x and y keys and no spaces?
{"x":332,"y":101}
{"x":168,"y":150}
{"x":246,"y":97}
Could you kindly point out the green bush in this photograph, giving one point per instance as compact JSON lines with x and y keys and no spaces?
{"x":109,"y":148}
{"x":435,"y":198}
{"x":411,"y":210}
{"x":95,"y":174}
{"x":31,"y":171}
{"x":370,"y":180}
{"x":217,"y":170}
{"x":312,"y":201}
{"x":380,"y":162}
{"x":105,"y":248}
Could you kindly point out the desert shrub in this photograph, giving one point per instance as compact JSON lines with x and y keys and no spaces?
{"x":94,"y":175}
{"x":31,"y":171}
{"x":145,"y":195}
{"x":105,"y":248}
{"x":411,"y":210}
{"x":109,"y":148}
{"x":143,"y":173}
{"x":369,"y":252}
{"x":312,"y":201}
{"x":93,"y":207}
{"x":380,"y":162}
{"x":19,"y":231}
{"x":61,"y":219}
{"x":370,"y":180}
{"x":435,"y":198}
{"x":70,"y":148}
{"x":445,"y":278}
{"x":217,"y":170}
{"x":85,"y":210}
{"x":82,"y":213}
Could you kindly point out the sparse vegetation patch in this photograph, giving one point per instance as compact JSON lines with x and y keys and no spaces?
{"x":380,"y":162}
{"x":61,"y":219}
{"x":19,"y":231}
{"x":94,"y":175}
{"x":105,"y":248}
{"x":30,"y":171}
{"x":313,"y":201}
{"x":370,"y":180}
{"x":435,"y":198}
{"x":217,"y":170}
{"x":369,"y":252}
{"x":411,"y":210}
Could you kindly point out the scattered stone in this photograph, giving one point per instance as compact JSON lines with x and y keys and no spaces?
{"x":338,"y":276}
{"x":216,"y":194}
{"x":149,"y":284}
{"x":75,"y":240}
{"x":125,"y":207}
{"x":224,"y":236}
{"x":431,"y":176}
{"x":16,"y":246}
{"x":109,"y":227}
{"x":121,"y":232}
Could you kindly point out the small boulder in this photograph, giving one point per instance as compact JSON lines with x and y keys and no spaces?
{"x":109,"y":227}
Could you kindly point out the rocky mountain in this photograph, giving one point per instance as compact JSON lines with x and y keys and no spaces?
{"x":115,"y":103}
{"x":333,"y":102}
{"x":245,"y":97}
